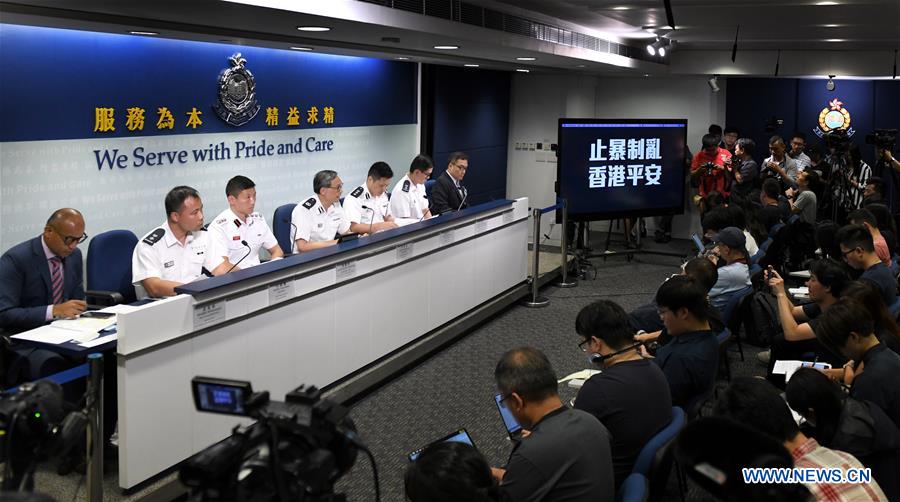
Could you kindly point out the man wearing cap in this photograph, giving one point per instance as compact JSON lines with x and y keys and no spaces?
{"x":731,"y":246}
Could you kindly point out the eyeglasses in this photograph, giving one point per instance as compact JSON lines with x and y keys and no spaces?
{"x":69,"y":240}
{"x":339,"y":187}
{"x":582,"y":345}
{"x":845,"y":253}
{"x":505,"y":397}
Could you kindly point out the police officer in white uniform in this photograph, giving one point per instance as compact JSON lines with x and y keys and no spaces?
{"x":408,"y":200}
{"x":368,"y":207}
{"x":317,"y":220}
{"x":177,"y":251}
{"x":240,"y":230}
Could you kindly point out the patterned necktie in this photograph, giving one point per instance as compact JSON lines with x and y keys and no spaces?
{"x":56,"y":279}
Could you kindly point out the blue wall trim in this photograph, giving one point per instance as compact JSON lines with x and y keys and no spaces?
{"x":54,"y":79}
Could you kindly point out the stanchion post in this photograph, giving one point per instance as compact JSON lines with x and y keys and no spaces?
{"x":564,"y":281}
{"x":95,"y":429}
{"x":536,"y":301}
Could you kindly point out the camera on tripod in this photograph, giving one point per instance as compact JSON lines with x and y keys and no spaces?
{"x":883,"y":139}
{"x":837,"y":140}
{"x":33,"y":425}
{"x":296,"y":450}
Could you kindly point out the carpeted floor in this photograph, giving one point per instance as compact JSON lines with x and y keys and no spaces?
{"x":455,"y":388}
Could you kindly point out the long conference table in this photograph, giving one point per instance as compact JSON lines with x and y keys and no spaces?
{"x":316,"y":318}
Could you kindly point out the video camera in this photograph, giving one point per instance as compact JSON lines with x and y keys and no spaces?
{"x":34,"y":424}
{"x":837,"y":140}
{"x":296,"y":450}
{"x":883,"y":139}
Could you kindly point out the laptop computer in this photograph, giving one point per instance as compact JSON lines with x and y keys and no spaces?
{"x":513,"y":428}
{"x":459,"y":436}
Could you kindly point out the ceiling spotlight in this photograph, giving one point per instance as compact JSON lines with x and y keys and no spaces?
{"x":145,"y":33}
{"x":446,"y":47}
{"x":401,"y":58}
{"x":522,"y":70}
{"x":302,"y":48}
{"x":313,"y":28}
{"x":713,"y":83}
{"x":658,"y":47}
{"x":471,"y":65}
{"x":830,"y":84}
{"x":526,"y":59}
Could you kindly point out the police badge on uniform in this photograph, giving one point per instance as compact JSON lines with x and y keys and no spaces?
{"x":237,"y":93}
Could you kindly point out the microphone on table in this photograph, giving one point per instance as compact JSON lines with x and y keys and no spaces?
{"x":465,"y":196}
{"x":372,"y":221}
{"x":249,"y":250}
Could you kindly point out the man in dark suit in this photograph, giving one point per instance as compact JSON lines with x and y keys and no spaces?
{"x":448,"y":193}
{"x":41,"y":279}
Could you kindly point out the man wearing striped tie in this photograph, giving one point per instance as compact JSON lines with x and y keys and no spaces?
{"x":41,"y":279}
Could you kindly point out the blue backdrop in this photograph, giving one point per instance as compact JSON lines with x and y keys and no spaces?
{"x":751,"y":101}
{"x":54,"y":79}
{"x":471,"y":114}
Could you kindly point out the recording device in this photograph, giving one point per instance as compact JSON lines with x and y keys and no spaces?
{"x":837,"y":140}
{"x":883,"y":139}
{"x":249,"y":250}
{"x":296,"y":450}
{"x":34,"y":425}
{"x":459,"y":436}
{"x":513,"y":428}
{"x":708,"y":168}
{"x":347,"y":238}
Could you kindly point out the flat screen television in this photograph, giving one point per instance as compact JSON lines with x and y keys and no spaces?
{"x":612,"y":168}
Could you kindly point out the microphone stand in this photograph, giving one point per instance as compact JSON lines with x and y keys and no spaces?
{"x":249,"y":250}
{"x":372,"y":221}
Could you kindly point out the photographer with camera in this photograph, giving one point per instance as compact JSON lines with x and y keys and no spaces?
{"x":779,"y":165}
{"x":711,"y":167}
{"x":887,"y":166}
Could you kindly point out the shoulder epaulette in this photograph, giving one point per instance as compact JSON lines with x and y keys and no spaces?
{"x":310,"y":202}
{"x":154,"y":236}
{"x":357,"y":192}
{"x":405,"y":185}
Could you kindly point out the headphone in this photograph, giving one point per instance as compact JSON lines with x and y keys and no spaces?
{"x":597,"y":358}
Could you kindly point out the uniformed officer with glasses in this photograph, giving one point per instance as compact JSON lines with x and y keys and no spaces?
{"x":317,"y":221}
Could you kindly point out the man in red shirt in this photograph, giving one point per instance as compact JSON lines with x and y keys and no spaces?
{"x":712,"y":166}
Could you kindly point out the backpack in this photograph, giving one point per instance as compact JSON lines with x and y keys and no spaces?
{"x":761,"y":322}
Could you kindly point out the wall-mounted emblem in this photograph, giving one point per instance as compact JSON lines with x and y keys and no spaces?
{"x":237,"y":93}
{"x":832,"y":117}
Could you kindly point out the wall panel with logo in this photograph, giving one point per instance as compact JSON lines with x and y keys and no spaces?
{"x":862,"y":105}
{"x":109,"y":123}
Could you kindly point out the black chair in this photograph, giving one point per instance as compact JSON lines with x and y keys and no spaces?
{"x":282,"y":228}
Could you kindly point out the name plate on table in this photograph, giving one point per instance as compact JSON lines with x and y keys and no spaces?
{"x":345,"y":270}
{"x":281,"y":292}
{"x":404,"y":251}
{"x":447,"y":237}
{"x":209,"y":314}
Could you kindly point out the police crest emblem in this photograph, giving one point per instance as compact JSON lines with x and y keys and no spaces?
{"x":237,"y":93}
{"x":832,"y":117}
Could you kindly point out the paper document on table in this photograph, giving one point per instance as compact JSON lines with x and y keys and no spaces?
{"x":579,"y":375}
{"x":99,"y":340}
{"x":46,"y":334}
{"x":85,"y":324}
{"x":122,"y":308}
{"x":789,"y":367}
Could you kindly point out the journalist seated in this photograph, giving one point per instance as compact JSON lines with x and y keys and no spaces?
{"x":838,"y":421}
{"x":566,"y":455}
{"x":691,"y":358}
{"x":731,"y":246}
{"x":631,"y":395}
{"x":758,"y":404}
{"x":451,"y":472}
